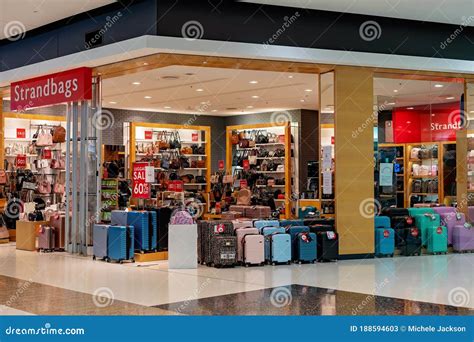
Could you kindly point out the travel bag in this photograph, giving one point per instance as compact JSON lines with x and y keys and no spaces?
{"x":58,"y":222}
{"x":99,"y":247}
{"x":140,"y":220}
{"x":424,"y":222}
{"x":253,"y":249}
{"x":305,"y":246}
{"x":450,"y":218}
{"x":288,"y":223}
{"x":231,"y":215}
{"x":411,"y":241}
{"x":319,"y":220}
{"x":266,"y":232}
{"x":223,"y":251}
{"x":328,"y":246}
{"x":294,"y":231}
{"x":384,"y":236}
{"x":437,"y":240}
{"x":240,"y":233}
{"x":206,"y":231}
{"x":242,"y":223}
{"x":46,"y":238}
{"x":308,"y":211}
{"x":258,"y":212}
{"x":280,"y":248}
{"x":463,"y":238}
{"x":120,"y":243}
{"x":259,"y":224}
{"x":238,"y":208}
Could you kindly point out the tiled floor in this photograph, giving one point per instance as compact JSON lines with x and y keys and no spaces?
{"x":443,"y":279}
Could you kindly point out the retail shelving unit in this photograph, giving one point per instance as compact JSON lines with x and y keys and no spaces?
{"x":400,"y":193}
{"x":109,"y":199}
{"x":280,"y":129}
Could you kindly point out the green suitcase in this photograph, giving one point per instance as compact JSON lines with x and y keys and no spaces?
{"x":437,"y":240}
{"x":420,"y":211}
{"x":424,"y":222}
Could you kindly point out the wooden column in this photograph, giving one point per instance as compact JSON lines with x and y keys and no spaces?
{"x":354,"y":163}
{"x":2,"y":132}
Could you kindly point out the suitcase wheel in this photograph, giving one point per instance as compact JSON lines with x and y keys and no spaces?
{"x":107,"y":259}
{"x":299,"y":262}
{"x":133,"y":260}
{"x":93,"y":257}
{"x":246,"y":265}
{"x":120,"y":261}
{"x":289,"y":262}
{"x":273,"y":263}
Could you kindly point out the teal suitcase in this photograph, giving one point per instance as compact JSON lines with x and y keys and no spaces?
{"x":437,"y":240}
{"x":424,"y":222}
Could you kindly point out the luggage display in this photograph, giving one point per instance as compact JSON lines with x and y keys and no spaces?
{"x":294,"y":231}
{"x":463,"y":238}
{"x":411,"y":241}
{"x":99,"y":248}
{"x":384,"y":241}
{"x":120,"y":243}
{"x":242,"y":223}
{"x":320,"y":220}
{"x":305,"y":247}
{"x":280,"y":248}
{"x":328,"y":246}
{"x":240,"y":233}
{"x":46,"y":238}
{"x":119,"y":217}
{"x":140,"y":220}
{"x":231,"y":215}
{"x":58,"y":222}
{"x":266,"y":232}
{"x":287,"y":223}
{"x":223,"y":251}
{"x":450,"y":218}
{"x":424,"y":222}
{"x":258,"y":212}
{"x":259,"y":224}
{"x":238,"y":208}
{"x":206,"y":231}
{"x":437,"y":240}
{"x":399,"y":223}
{"x":308,"y":211}
{"x":253,"y":250}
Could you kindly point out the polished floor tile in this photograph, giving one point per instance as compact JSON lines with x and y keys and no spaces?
{"x":308,"y":300}
{"x":8,"y":311}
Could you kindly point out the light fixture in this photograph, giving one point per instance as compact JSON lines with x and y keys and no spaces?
{"x":167,"y":107}
{"x":145,"y":63}
{"x":438,"y":86}
{"x":391,"y":103}
{"x":199,"y":89}
{"x":112,"y":102}
{"x":290,"y":76}
{"x":249,"y":107}
{"x":255,"y":96}
{"x":450,"y":98}
{"x":395,"y":90}
{"x":203,"y":102}
{"x":147,"y":97}
{"x":136,"y":83}
{"x":410,"y":108}
{"x":253,"y":82}
{"x":214,"y":110}
{"x":301,"y":100}
{"x":308,"y":90}
{"x":327,"y":108}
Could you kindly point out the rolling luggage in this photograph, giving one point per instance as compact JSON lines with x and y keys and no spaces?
{"x":266,"y":232}
{"x":242,"y":224}
{"x":119,"y":217}
{"x":206,"y":231}
{"x":463,"y":238}
{"x":259,"y":224}
{"x":253,"y":250}
{"x":46,"y":238}
{"x":223,"y":251}
{"x":280,"y":248}
{"x":424,"y":222}
{"x":120,"y":243}
{"x":140,"y":220}
{"x":321,"y":228}
{"x":258,"y":212}
{"x":240,"y":233}
{"x":238,"y":208}
{"x":384,"y":236}
{"x":437,"y":240}
{"x":321,"y":221}
{"x":305,"y":247}
{"x":288,"y":223}
{"x":231,"y":215}
{"x":99,"y":247}
{"x":328,"y":246}
{"x":294,"y":231}
{"x":450,"y":218}
{"x":153,"y":230}
{"x":58,"y":222}
{"x":411,"y":241}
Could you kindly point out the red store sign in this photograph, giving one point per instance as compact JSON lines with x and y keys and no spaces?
{"x":67,"y":86}
{"x":20,"y":133}
{"x":140,"y":188}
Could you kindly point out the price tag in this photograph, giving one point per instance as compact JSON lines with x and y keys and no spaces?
{"x":414,"y":232}
{"x":20,"y":161}
{"x":221,"y":165}
{"x":386,"y":233}
{"x":243,"y":183}
{"x":46,"y":153}
{"x":194,"y":137}
{"x":140,"y":187}
{"x":439,"y":230}
{"x":21,"y":133}
{"x":246,"y":164}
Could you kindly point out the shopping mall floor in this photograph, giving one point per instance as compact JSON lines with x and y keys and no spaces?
{"x":60,"y":284}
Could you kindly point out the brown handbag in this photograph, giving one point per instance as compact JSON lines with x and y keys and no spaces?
{"x":59,"y":134}
{"x":201,"y":164}
{"x":234,"y":138}
{"x":3,"y":177}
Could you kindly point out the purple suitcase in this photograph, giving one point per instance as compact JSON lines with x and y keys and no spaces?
{"x":463,"y":238}
{"x":46,"y":238}
{"x":450,"y":218}
{"x":470,"y":214}
{"x":253,"y":249}
{"x":240,"y":233}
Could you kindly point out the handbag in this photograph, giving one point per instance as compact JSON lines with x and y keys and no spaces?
{"x":59,"y":134}
{"x":44,"y":139}
{"x":234,"y":138}
{"x":181,"y":216}
{"x":3,"y":177}
{"x":184,"y":162}
{"x":244,"y":196}
{"x":227,"y":179}
{"x":165,"y":162}
{"x":58,"y":188}
{"x":44,"y":186}
{"x":261,"y":137}
{"x":175,"y":141}
{"x":201,"y":179}
{"x":175,"y":163}
{"x":201,"y":164}
{"x":58,"y":163}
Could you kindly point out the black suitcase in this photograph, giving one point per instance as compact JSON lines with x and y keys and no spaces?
{"x":399,"y":224}
{"x":320,"y":221}
{"x":223,"y":251}
{"x":316,"y":228}
{"x":390,"y":212}
{"x":164,"y":216}
{"x":411,"y":243}
{"x":328,"y":245}
{"x":206,"y":231}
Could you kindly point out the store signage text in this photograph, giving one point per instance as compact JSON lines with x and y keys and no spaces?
{"x":67,"y":86}
{"x":140,"y":188}
{"x":20,"y":133}
{"x":20,"y":161}
{"x":148,"y":135}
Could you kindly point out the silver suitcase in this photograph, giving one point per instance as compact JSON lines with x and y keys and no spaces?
{"x":46,"y":239}
{"x":100,"y":241}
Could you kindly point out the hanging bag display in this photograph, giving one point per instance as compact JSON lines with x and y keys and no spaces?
{"x":44,"y":139}
{"x":59,"y":134}
{"x":3,"y":177}
{"x":234,"y":138}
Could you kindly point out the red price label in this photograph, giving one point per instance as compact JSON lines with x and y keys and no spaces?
{"x":409,"y":220}
{"x":221,"y":165}
{"x":20,"y":133}
{"x":178,"y":185}
{"x":246,"y":164}
{"x":20,"y":161}
{"x":140,"y":188}
{"x":46,"y":153}
{"x":439,"y":230}
{"x":333,"y":140}
{"x":386,"y":233}
{"x":243,"y":183}
{"x":414,"y":232}
{"x":148,"y":135}
{"x":194,"y":137}
{"x":219,"y":228}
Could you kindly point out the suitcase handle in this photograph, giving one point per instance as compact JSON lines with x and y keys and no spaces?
{"x":128,"y":241}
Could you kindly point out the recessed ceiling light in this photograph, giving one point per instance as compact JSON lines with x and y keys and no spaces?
{"x":112,"y":102}
{"x":395,"y":90}
{"x":301,"y":100}
{"x":136,"y":83}
{"x":471,"y":111}
{"x":145,"y":63}
{"x":327,"y":108}
{"x":450,"y":98}
{"x":249,"y":107}
{"x":203,"y":102}
{"x":214,"y":110}
{"x":410,"y":109}
{"x":253,"y":82}
{"x":199,"y":89}
{"x":290,"y":76}
{"x":255,"y":96}
{"x":167,"y":107}
{"x":147,"y":97}
{"x":391,"y":103}
{"x":439,"y":86}
{"x":308,"y":90}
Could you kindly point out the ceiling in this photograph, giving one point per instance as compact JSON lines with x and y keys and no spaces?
{"x":440,"y":11}
{"x":25,"y":15}
{"x":211,"y":91}
{"x":391,"y":92}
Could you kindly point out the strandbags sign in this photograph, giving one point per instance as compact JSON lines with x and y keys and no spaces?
{"x":67,"y":86}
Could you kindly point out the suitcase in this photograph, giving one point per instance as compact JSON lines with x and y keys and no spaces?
{"x":46,"y":238}
{"x":424,"y":223}
{"x":305,"y":247}
{"x":280,"y":248}
{"x":321,"y":228}
{"x":258,"y":212}
{"x":231,"y":215}
{"x":294,"y":231}
{"x":99,"y":244}
{"x":206,"y":231}
{"x":242,"y":224}
{"x":240,"y":233}
{"x":382,"y":222}
{"x":399,"y":223}
{"x":411,"y":241}
{"x":437,"y":240}
{"x":238,"y":208}
{"x":223,"y":251}
{"x":58,"y":222}
{"x":153,"y":230}
{"x":120,"y":243}
{"x":259,"y":224}
{"x":384,"y":241}
{"x":470,"y":214}
{"x":288,"y":223}
{"x":420,"y":211}
{"x":119,"y":217}
{"x":308,"y":211}
{"x":328,"y":246}
{"x":450,"y":218}
{"x":463,"y":238}
{"x":322,"y":221}
{"x":253,"y":250}
{"x":391,"y":212}
{"x":266,"y":232}
{"x":140,"y":220}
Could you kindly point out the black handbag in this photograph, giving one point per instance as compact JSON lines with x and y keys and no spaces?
{"x":175,"y":141}
{"x":261,"y":138}
{"x":184,"y":162}
{"x":200,"y":179}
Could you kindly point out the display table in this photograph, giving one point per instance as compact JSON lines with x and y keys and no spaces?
{"x":26,"y":233}
{"x":182,"y":246}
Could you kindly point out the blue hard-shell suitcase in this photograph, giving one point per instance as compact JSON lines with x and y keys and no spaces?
{"x":153,"y":230}
{"x":140,"y":220}
{"x":259,"y":224}
{"x":120,"y":243}
{"x":384,"y":241}
{"x":119,"y":217}
{"x":100,"y":241}
{"x":305,"y":247}
{"x":288,"y":223}
{"x":382,"y":222}
{"x":280,"y":248}
{"x":294,"y":231}
{"x":267,"y":231}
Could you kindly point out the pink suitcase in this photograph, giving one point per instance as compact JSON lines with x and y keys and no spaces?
{"x":254,"y":250}
{"x":46,"y":239}
{"x":463,"y":238}
{"x":240,"y":233}
{"x":450,"y":218}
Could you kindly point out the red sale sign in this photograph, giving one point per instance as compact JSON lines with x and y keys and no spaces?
{"x":148,"y":135}
{"x":47,"y":153}
{"x":21,"y":133}
{"x":194,"y":137}
{"x":246,"y":164}
{"x":221,"y":165}
{"x":20,"y":161}
{"x":67,"y":86}
{"x":140,"y":188}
